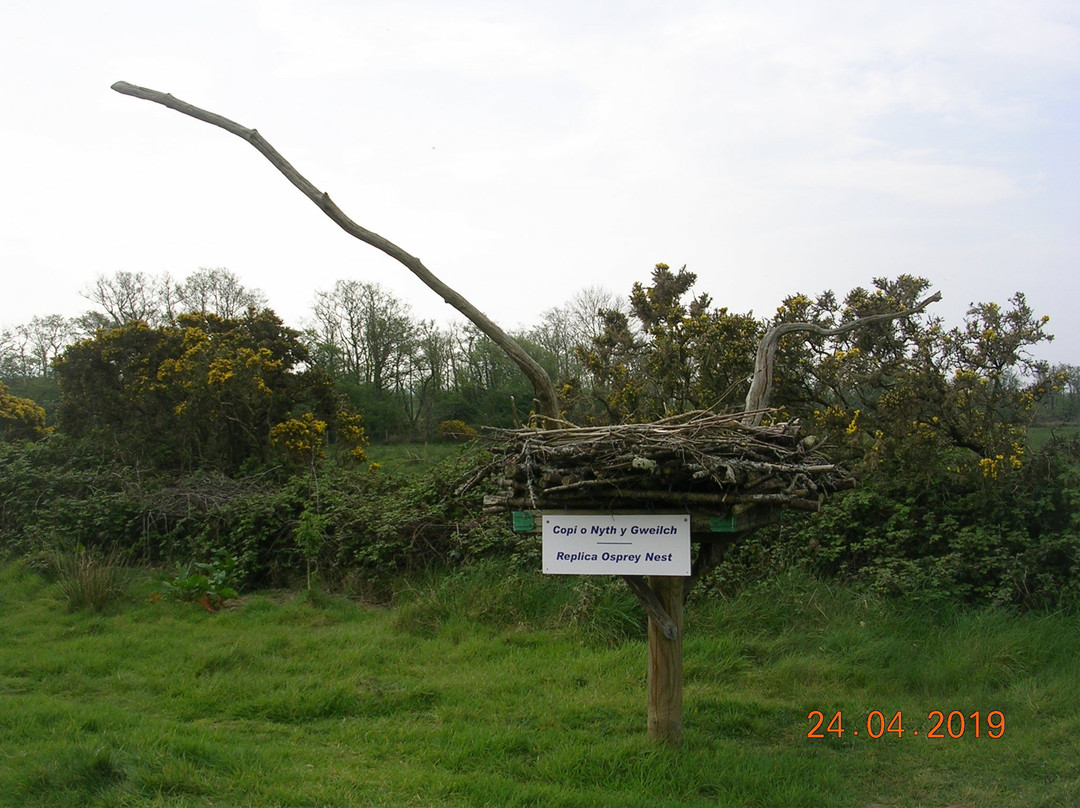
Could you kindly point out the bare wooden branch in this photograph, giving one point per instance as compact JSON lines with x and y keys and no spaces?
{"x":544,"y":390}
{"x":757,"y":399}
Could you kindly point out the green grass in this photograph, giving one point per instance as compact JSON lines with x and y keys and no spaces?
{"x":502,"y":688}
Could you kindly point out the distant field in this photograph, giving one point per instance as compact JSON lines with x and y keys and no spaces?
{"x":410,"y":457}
{"x":1039,"y":436}
{"x":495,"y":687}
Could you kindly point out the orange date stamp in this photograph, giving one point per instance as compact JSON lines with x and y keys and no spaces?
{"x":939,"y":724}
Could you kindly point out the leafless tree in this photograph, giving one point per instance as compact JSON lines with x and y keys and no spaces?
{"x":574,"y":324}
{"x":45,"y":339}
{"x":366,"y":334}
{"x":125,"y":297}
{"x":217,"y":291}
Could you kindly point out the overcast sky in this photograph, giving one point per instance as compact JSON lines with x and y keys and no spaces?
{"x":525,"y":150}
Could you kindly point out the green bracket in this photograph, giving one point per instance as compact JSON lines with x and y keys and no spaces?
{"x":723,"y":524}
{"x":524,"y":521}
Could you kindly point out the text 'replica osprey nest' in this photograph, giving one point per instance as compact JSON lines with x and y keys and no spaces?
{"x":699,"y":461}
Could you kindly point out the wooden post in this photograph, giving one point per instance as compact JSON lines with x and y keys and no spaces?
{"x":665,"y":680}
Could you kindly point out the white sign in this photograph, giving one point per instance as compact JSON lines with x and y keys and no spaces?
{"x":616,"y":544}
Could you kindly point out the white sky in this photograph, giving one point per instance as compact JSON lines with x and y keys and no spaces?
{"x":525,"y":150}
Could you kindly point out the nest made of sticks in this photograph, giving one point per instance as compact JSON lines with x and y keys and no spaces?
{"x":699,"y":461}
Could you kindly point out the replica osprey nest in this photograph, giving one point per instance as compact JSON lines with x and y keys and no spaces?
{"x":699,"y":461}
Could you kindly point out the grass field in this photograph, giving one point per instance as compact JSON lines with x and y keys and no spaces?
{"x":1039,"y":436}
{"x":500,"y":688}
{"x":410,"y":458}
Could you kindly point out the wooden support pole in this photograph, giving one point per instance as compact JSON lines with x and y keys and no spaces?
{"x":665,"y":681}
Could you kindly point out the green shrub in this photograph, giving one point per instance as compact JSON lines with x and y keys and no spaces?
{"x":58,"y":487}
{"x":207,"y":583}
{"x":1012,"y":539}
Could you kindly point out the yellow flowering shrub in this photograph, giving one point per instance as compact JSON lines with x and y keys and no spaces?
{"x":302,"y":438}
{"x":20,"y":418}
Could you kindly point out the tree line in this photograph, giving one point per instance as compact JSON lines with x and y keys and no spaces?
{"x":407,"y":375}
{"x":659,"y":350}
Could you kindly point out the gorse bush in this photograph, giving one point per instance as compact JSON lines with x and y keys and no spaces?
{"x":21,"y":419}
{"x":202,"y":392}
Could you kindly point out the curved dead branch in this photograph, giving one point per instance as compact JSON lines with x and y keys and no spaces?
{"x":757,"y":399}
{"x":544,"y":390}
